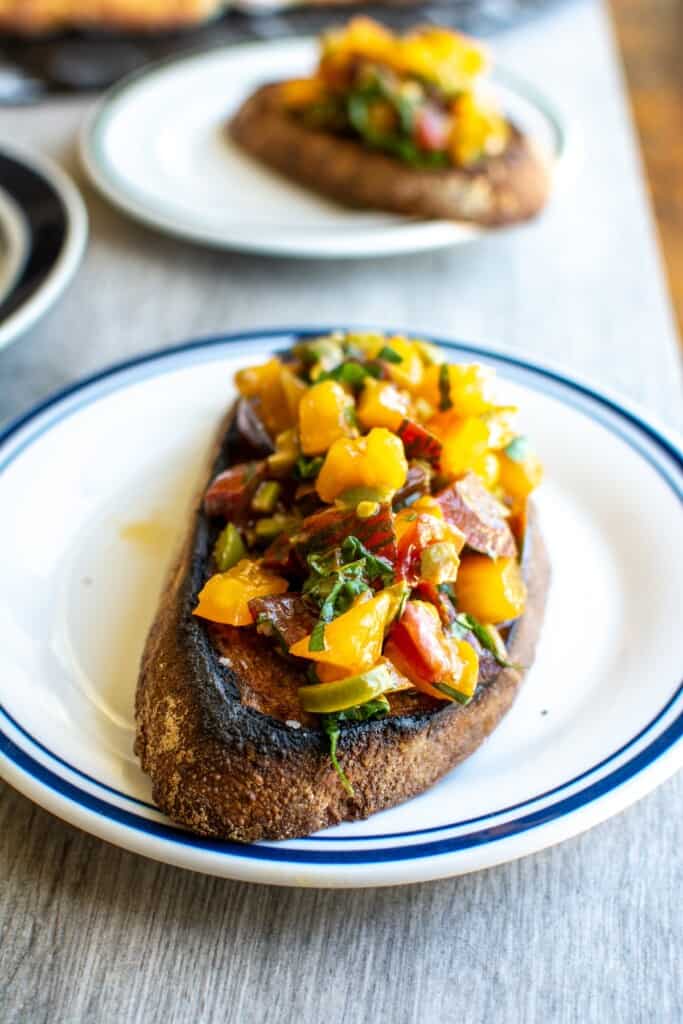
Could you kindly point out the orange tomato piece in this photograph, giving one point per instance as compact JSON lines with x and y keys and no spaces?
{"x":354,"y":640}
{"x":382,"y":405}
{"x":225,"y":597}
{"x":324,"y":417}
{"x":491,"y":590}
{"x":376,"y":461}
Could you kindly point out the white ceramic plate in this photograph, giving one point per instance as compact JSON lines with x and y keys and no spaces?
{"x":91,"y":476}
{"x":43,"y":231}
{"x":157,"y":147}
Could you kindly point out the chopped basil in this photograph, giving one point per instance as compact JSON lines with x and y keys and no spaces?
{"x":376,"y":567}
{"x":317,"y":641}
{"x":461,"y":698}
{"x":351,"y":373}
{"x":445,"y":402}
{"x":389,"y":355}
{"x":488,"y":637}
{"x":306,"y":469}
{"x":337,"y":578}
{"x":360,"y":713}
{"x":398,"y":143}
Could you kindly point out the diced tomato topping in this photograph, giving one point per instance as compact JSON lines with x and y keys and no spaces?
{"x":468,"y":505}
{"x":430,"y":592}
{"x":425,"y":530}
{"x":281,"y":556}
{"x":432,"y":128}
{"x":424,"y":652}
{"x":419,"y":443}
{"x":330,"y":528}
{"x":228,"y":495}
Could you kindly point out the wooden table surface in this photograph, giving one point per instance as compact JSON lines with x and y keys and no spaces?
{"x":589,"y":931}
{"x":650,"y":37}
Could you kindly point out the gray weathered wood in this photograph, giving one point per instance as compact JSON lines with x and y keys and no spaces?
{"x":586,"y":932}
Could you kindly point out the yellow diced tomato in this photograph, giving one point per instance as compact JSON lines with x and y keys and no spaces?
{"x":376,"y":461}
{"x":439,"y":562}
{"x":502,"y":426}
{"x":255,"y":380}
{"x":478,"y":130}
{"x":409,"y":372}
{"x":487,"y":468}
{"x":428,"y":353}
{"x":382,"y":405}
{"x":471,"y":387}
{"x":408,"y":519}
{"x":518,"y":478}
{"x":277,"y":392}
{"x":225,"y":597}
{"x":293,"y":389}
{"x":465,"y":444}
{"x":330,"y":673}
{"x":467,"y":683}
{"x":491,"y":590}
{"x":428,"y":505}
{"x":299,"y":93}
{"x":324,"y":417}
{"x":354,"y":640}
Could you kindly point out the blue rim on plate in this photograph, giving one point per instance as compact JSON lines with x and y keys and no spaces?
{"x":662,"y":450}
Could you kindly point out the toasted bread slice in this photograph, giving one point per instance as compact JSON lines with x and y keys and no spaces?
{"x":228,"y":751}
{"x":501,"y":190}
{"x":39,"y":16}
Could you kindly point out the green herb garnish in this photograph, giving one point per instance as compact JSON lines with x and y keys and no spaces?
{"x":337,"y":578}
{"x":398,"y":143}
{"x":317,"y":641}
{"x":389,"y":355}
{"x":461,"y":698}
{"x":488,"y":636}
{"x":351,"y":373}
{"x":518,"y":449}
{"x":307,"y":469}
{"x":445,"y":402}
{"x":361,"y":713}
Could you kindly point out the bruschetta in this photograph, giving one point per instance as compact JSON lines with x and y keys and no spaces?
{"x":358,"y":596}
{"x":398,"y":123}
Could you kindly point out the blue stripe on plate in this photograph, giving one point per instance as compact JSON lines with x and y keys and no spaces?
{"x":258,"y":851}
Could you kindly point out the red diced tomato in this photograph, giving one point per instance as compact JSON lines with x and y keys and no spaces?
{"x":229,"y":493}
{"x":420,"y":534}
{"x":418,"y":637}
{"x":432,"y":128}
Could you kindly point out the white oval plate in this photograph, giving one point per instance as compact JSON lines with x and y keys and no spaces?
{"x":94,"y":487}
{"x":44,"y":228}
{"x":157,"y":147}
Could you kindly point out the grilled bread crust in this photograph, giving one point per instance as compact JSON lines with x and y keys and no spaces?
{"x":222,"y":768}
{"x":501,"y":190}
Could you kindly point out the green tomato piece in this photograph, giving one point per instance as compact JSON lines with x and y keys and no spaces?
{"x":324,"y":698}
{"x":229,"y":548}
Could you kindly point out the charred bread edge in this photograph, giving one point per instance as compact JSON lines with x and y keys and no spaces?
{"x":506,"y":188}
{"x":223,"y":769}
